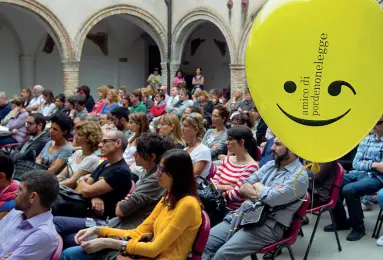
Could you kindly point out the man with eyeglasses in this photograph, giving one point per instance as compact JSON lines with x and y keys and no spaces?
{"x":365,"y":179}
{"x":105,"y":187}
{"x":38,"y":138}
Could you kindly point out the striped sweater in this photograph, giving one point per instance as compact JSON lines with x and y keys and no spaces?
{"x":233,"y":175}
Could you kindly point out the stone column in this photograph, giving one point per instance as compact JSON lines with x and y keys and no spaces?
{"x":70,"y":76}
{"x":27,"y":71}
{"x":164,"y":73}
{"x":238,"y":78}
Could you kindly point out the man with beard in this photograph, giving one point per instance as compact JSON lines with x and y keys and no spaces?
{"x":273,"y":184}
{"x":120,"y":117}
{"x":38,"y":138}
{"x":28,"y":232}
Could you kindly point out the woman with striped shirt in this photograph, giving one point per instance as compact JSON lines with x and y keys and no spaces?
{"x":235,"y":168}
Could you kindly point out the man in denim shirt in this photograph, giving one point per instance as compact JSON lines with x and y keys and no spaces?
{"x":278,"y":177}
{"x":365,"y":179}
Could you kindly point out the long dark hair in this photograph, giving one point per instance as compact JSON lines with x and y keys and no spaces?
{"x":184,"y":181}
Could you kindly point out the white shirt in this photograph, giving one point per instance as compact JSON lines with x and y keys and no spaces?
{"x":36,"y":101}
{"x":47,"y":110}
{"x":88,"y":163}
{"x":202,"y":153}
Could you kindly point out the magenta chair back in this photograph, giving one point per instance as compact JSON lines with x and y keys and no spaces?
{"x":57,"y":254}
{"x":213,"y":170}
{"x":201,"y":239}
{"x":132,"y":188}
{"x":291,"y":237}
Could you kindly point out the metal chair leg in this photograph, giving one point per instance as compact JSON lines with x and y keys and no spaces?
{"x":301,"y":232}
{"x":380,"y":226}
{"x":374,"y":233}
{"x":312,"y":235}
{"x":254,"y":257}
{"x":335,"y":229}
{"x":290,"y":251}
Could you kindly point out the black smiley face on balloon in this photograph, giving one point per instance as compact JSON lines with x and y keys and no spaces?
{"x":334,"y":89}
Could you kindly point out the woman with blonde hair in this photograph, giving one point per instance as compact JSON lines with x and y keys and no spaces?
{"x":88,"y":135}
{"x":193,"y":130}
{"x":169,"y":125}
{"x":100,"y":102}
{"x":111,"y":103}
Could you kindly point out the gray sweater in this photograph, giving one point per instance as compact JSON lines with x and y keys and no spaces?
{"x":209,"y":140}
{"x":138,"y":207}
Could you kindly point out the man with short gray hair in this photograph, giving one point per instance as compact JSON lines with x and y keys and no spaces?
{"x":109,"y":183}
{"x":38,"y":100}
{"x":5,"y":107}
{"x":181,"y":105}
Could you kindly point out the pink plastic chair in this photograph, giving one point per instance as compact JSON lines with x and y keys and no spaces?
{"x":259,"y":153}
{"x":57,"y":254}
{"x":290,"y":239}
{"x":213,"y":170}
{"x":318,"y":211}
{"x":201,"y":239}
{"x":9,"y":147}
{"x":132,"y":188}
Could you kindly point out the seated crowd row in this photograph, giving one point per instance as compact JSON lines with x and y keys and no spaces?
{"x":107,"y":153}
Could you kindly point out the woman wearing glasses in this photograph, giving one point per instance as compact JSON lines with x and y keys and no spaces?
{"x":170,"y":230}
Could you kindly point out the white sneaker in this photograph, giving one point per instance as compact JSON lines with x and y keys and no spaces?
{"x":379,"y":242}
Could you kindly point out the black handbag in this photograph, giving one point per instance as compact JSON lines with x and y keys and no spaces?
{"x":212,"y":199}
{"x":70,"y":204}
{"x":24,"y":166}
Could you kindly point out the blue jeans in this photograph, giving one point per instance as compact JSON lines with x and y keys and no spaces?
{"x":7,"y":140}
{"x":68,"y":227}
{"x":7,"y":206}
{"x":355,"y":184}
{"x":76,"y":253}
{"x":379,"y":197}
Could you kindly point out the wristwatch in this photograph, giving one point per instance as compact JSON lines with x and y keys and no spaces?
{"x":123,"y":248}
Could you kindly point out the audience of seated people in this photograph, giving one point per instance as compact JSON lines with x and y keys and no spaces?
{"x":8,"y":187}
{"x":173,"y":224}
{"x":272,"y":184}
{"x":115,"y":134}
{"x":27,"y":231}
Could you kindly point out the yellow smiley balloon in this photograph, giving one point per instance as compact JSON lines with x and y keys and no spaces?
{"x":314,"y":70}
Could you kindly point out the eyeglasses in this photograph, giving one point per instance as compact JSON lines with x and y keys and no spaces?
{"x":105,"y":141}
{"x":160,"y":170}
{"x":379,"y":123}
{"x":29,"y":123}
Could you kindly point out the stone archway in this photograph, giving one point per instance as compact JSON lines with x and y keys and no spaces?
{"x":150,"y":24}
{"x":58,"y":30}
{"x":190,"y":22}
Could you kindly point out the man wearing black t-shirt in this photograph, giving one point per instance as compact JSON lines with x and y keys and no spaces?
{"x":106,"y":186}
{"x":111,"y":181}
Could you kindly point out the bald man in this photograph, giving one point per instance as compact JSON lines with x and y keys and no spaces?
{"x":5,"y":107}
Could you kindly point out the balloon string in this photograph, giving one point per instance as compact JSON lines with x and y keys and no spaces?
{"x":315,"y":168}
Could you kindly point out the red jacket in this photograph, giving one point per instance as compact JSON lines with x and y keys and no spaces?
{"x":158,"y":111}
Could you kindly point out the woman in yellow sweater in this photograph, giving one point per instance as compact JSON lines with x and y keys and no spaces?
{"x":170,"y":230}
